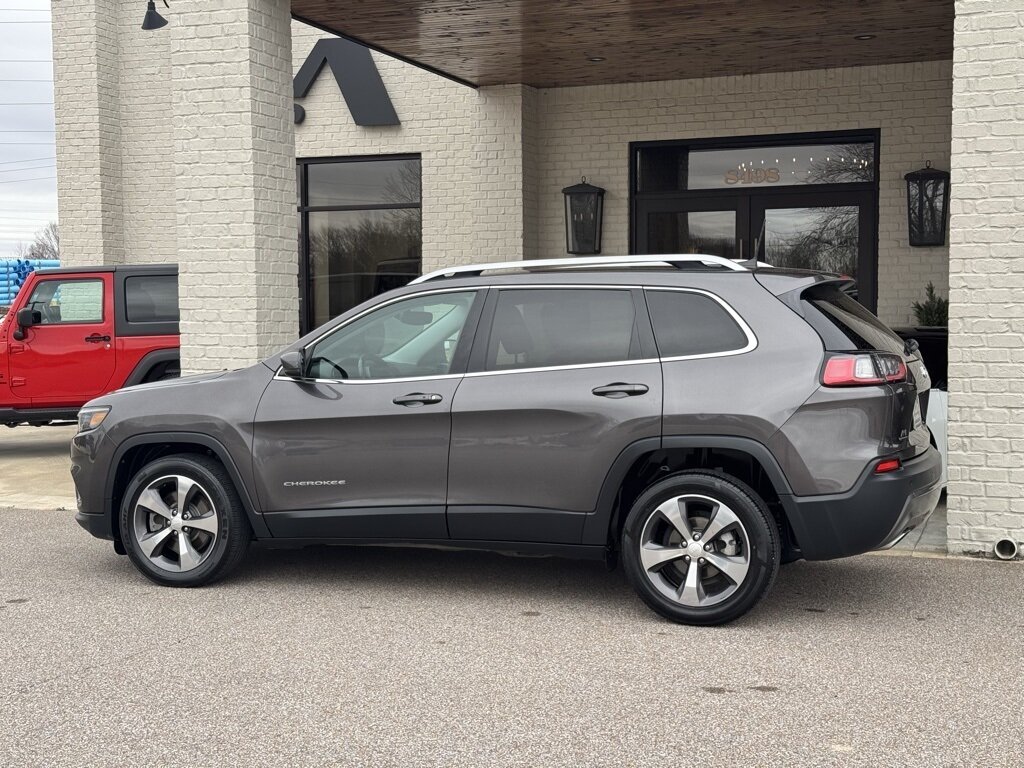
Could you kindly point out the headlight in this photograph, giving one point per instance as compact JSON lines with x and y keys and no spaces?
{"x":90,"y":418}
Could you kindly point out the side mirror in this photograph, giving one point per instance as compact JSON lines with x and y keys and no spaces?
{"x":293,"y":364}
{"x":26,"y":318}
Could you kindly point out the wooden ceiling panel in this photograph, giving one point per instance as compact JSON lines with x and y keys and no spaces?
{"x":549,"y":43}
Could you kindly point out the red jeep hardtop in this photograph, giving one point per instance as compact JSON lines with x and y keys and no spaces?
{"x":73,"y":334}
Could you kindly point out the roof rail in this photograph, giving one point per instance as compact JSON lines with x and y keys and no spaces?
{"x":679,"y":261}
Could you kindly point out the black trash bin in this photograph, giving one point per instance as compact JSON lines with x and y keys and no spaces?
{"x":934,"y":350}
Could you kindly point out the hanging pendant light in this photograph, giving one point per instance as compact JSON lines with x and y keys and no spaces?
{"x":154,"y":20}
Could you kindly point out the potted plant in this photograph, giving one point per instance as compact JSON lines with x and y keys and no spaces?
{"x":933,"y":312}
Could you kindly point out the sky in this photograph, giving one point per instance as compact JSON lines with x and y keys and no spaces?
{"x":28,"y":186}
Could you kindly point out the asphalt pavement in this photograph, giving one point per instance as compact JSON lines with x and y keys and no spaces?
{"x":400,"y":657}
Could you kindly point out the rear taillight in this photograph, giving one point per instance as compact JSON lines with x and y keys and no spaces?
{"x":863,"y":370}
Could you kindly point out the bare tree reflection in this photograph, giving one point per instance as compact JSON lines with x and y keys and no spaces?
{"x":828,"y":238}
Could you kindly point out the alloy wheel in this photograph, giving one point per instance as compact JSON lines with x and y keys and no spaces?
{"x":175,"y":523}
{"x":695,"y":550}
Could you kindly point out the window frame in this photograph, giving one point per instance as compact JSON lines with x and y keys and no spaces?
{"x":750,"y":346}
{"x":462,"y":349}
{"x":60,"y":279}
{"x":303,"y":208}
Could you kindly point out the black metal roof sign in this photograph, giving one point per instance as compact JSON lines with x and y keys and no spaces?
{"x":357,"y":77}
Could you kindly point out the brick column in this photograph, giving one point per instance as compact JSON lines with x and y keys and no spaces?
{"x":86,"y":95}
{"x":234,"y":158}
{"x":505,"y":208}
{"x":986,"y":344}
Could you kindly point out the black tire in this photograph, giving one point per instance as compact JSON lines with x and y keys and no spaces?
{"x":233,"y":535}
{"x":763,"y":550}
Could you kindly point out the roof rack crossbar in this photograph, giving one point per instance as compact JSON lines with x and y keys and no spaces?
{"x":680,"y":261}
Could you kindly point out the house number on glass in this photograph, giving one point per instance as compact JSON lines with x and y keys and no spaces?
{"x":752,"y":176}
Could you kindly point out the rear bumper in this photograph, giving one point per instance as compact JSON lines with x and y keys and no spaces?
{"x":875,"y":514}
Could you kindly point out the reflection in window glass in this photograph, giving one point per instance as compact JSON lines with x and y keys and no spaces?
{"x":549,"y":327}
{"x":688,"y":324}
{"x":355,"y":255}
{"x":414,"y":337}
{"x":151,"y":299}
{"x":68,"y":301}
{"x":780,"y":166}
{"x":364,"y":182}
{"x":708,"y":232}
{"x":825,"y":239}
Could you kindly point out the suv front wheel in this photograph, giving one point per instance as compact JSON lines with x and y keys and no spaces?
{"x":700,"y":547}
{"x":182,"y":522}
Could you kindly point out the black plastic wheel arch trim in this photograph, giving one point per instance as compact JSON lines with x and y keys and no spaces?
{"x":259,"y":527}
{"x":149,"y":362}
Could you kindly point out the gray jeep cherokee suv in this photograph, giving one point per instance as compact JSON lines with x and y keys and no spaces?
{"x":699,"y":419}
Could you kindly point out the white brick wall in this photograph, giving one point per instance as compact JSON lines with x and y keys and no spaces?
{"x":471,"y":142}
{"x":86,"y":94}
{"x":495,"y":160}
{"x":587,"y":130}
{"x":986,"y":358}
{"x":234,"y":162}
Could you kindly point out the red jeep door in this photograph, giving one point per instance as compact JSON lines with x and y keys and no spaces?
{"x":68,"y":358}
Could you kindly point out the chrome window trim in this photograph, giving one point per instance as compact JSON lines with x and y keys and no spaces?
{"x":614,"y":363}
{"x":752,"y":341}
{"x":747,"y":331}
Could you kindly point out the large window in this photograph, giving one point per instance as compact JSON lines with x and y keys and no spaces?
{"x":360,"y":231}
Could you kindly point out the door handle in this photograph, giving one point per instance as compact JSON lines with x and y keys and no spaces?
{"x":416,"y":399}
{"x":96,"y":338}
{"x":619,"y":389}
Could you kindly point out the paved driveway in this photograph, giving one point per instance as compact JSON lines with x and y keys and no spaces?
{"x":35,"y":467}
{"x":396,"y":657}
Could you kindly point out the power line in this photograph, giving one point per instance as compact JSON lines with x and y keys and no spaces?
{"x":32,"y":160}
{"x":30,"y":168}
{"x":38,"y":178}
{"x":47,"y":130}
{"x":26,"y":61}
{"x":25,"y":103}
{"x":24,"y":80}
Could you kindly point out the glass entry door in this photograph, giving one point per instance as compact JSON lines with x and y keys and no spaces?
{"x":830,"y":232}
{"x":800,"y":200}
{"x":714,"y":226}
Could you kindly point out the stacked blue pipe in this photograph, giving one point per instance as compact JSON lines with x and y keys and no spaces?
{"x":13,"y":273}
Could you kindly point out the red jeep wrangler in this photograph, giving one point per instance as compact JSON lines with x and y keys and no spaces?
{"x":75,"y":334}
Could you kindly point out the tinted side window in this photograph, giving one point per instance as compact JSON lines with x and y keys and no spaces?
{"x":688,"y":324}
{"x":151,"y":299}
{"x":844,"y":324}
{"x":549,"y":327}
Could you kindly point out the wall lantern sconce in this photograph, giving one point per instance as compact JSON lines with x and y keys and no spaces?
{"x":927,"y":205}
{"x":154,"y":20}
{"x":584,"y":207}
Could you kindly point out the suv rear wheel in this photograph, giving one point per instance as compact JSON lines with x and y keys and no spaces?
{"x":700,"y":547}
{"x":182,"y":522}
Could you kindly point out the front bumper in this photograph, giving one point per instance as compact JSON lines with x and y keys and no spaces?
{"x":875,"y":514}
{"x":89,"y":455}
